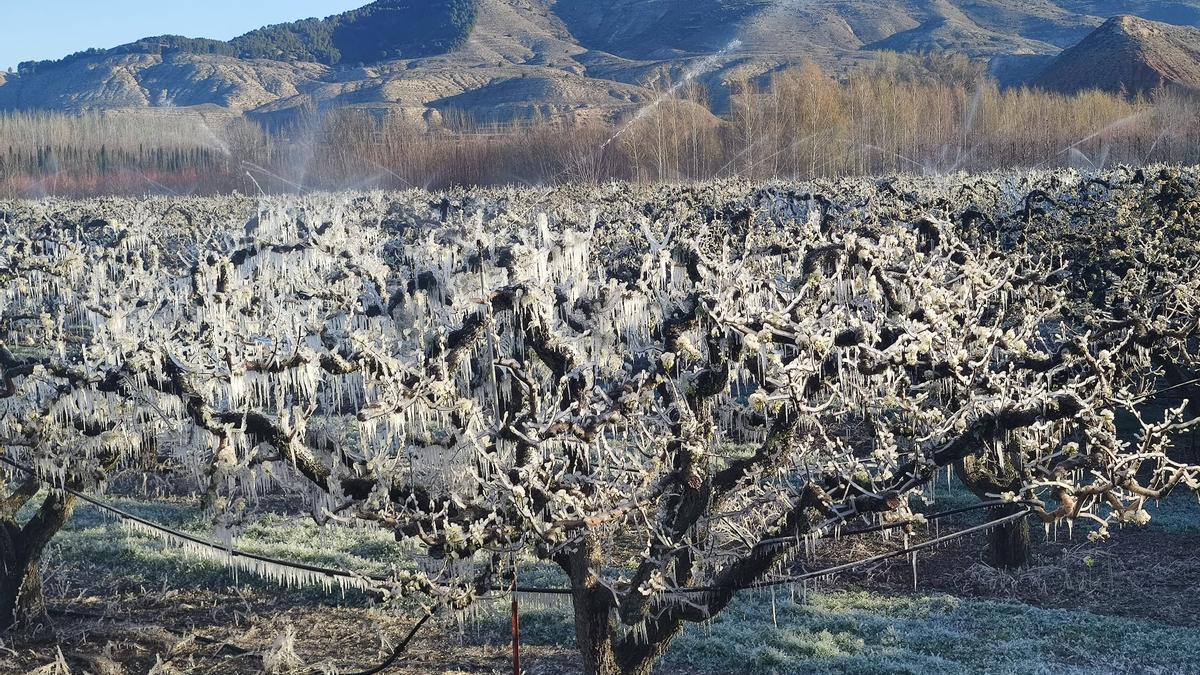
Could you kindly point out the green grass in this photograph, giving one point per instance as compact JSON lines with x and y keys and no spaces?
{"x":836,"y":631}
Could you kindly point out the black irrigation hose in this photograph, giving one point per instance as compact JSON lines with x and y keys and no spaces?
{"x":539,"y":590}
{"x":398,"y":650}
{"x":396,"y":653}
{"x":866,"y":561}
{"x":232,"y":552}
{"x":828,"y":570}
{"x":930,"y":517}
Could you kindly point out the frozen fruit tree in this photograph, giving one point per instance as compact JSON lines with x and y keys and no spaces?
{"x":669,"y":413}
{"x":1125,"y":242}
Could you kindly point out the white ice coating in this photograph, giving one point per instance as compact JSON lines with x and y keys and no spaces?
{"x":521,"y":380}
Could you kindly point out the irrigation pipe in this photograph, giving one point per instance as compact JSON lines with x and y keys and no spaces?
{"x":343,"y":576}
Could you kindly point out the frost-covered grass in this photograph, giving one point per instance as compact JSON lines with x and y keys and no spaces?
{"x":832,"y":631}
{"x":862,"y":632}
{"x":94,"y":540}
{"x":1179,"y":514}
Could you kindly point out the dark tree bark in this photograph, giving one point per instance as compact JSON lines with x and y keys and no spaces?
{"x":596,"y":627}
{"x":593,"y":611}
{"x":1008,"y":544}
{"x":22,"y":604}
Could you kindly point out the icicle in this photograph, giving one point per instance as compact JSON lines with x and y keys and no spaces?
{"x":774,"y":614}
{"x":284,"y":575}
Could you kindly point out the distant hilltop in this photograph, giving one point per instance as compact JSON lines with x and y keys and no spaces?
{"x":1128,"y":54}
{"x":505,"y":60}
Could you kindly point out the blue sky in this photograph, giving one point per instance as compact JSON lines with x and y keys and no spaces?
{"x":45,"y":29}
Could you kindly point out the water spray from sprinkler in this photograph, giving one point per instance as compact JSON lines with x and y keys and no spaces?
{"x":1099,"y":132}
{"x":705,"y":65}
{"x":276,"y":176}
{"x":255,"y":181}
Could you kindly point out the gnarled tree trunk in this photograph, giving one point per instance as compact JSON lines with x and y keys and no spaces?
{"x":21,"y":547}
{"x":597,"y":632}
{"x":593,"y":612}
{"x":1008,"y":544}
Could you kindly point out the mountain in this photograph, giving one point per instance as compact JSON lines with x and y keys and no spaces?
{"x":376,"y":32}
{"x":499,"y":60}
{"x":1128,"y":54}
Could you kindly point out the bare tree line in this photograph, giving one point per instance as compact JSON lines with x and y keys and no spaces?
{"x":891,"y":117}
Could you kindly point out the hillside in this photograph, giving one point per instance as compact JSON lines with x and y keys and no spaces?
{"x":1128,"y":54}
{"x":499,"y":60}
